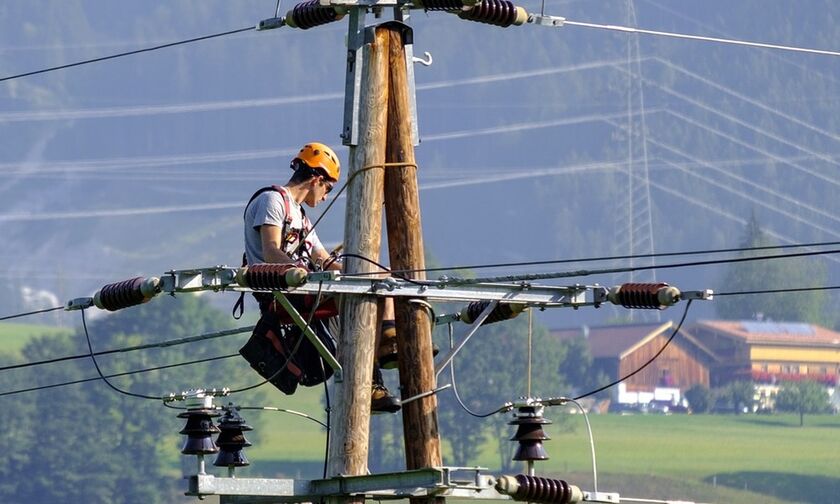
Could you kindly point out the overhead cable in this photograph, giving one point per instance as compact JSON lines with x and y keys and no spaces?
{"x":777,"y":291}
{"x":609,"y":258}
{"x":116,"y":375}
{"x":128,"y":53}
{"x":162,"y":344}
{"x":99,"y":371}
{"x":628,"y":29}
{"x":646,"y":364}
{"x":583,"y":272}
{"x":26,"y":314}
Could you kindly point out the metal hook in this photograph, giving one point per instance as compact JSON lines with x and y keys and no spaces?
{"x":424,"y":62}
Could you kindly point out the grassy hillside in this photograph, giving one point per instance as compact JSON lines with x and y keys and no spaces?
{"x":13,"y":337}
{"x":705,"y":458}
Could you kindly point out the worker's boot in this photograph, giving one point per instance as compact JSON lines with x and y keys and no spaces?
{"x":386,"y":352}
{"x":381,"y":401}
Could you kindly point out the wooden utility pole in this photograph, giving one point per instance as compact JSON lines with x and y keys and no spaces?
{"x":348,"y":453}
{"x":405,"y":244}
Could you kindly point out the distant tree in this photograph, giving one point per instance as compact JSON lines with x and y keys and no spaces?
{"x":87,"y":443}
{"x":740,"y":394}
{"x":490,"y":370}
{"x":803,"y":397}
{"x":773,"y":274}
{"x":699,"y":398}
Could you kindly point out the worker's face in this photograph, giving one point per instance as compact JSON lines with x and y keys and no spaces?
{"x":321,"y":187}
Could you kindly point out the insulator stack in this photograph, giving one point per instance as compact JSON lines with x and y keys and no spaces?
{"x":199,"y":431}
{"x":652,"y":296}
{"x":535,"y":489}
{"x":496,"y":12}
{"x":502,"y":311}
{"x":135,"y":291}
{"x":231,"y":440}
{"x":310,"y":14}
{"x":529,"y":433}
{"x":271,"y":277}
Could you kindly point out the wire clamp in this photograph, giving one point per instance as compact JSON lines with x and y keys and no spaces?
{"x":322,"y":276}
{"x":270,"y":23}
{"x":79,"y":304}
{"x":703,"y":295}
{"x":542,"y":20}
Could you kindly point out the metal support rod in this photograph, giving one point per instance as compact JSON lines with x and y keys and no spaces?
{"x":310,"y":335}
{"x":447,"y":359}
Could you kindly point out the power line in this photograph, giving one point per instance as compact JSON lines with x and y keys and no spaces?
{"x":128,"y":53}
{"x":646,"y":364}
{"x":778,"y":291}
{"x":116,"y":375}
{"x":628,"y":29}
{"x":18,"y":315}
{"x":580,"y":273}
{"x":162,"y":344}
{"x":612,"y":258}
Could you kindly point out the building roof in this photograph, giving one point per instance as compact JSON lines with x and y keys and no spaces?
{"x":785,"y":333}
{"x":614,"y":341}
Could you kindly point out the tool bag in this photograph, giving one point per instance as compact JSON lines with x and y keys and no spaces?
{"x":281,"y":353}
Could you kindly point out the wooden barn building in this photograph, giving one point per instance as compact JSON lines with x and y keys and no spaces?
{"x":621,"y":349}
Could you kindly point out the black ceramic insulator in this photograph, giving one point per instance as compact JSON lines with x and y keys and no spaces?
{"x":231,"y":440}
{"x":199,"y":431}
{"x":544,"y":490}
{"x":494,"y":12}
{"x":529,"y":434}
{"x":443,"y":5}
{"x":309,"y":14}
{"x":267,"y":276}
{"x":641,"y":295}
{"x":502,"y":311}
{"x":123,"y":294}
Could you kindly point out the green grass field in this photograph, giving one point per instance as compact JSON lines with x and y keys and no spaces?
{"x":709,"y":458}
{"x":13,"y":337}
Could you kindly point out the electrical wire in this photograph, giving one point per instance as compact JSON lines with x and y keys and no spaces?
{"x":283,"y":410}
{"x":580,"y":273}
{"x":384,"y":268}
{"x":128,"y":53}
{"x":116,"y":375}
{"x":778,"y":291}
{"x":646,"y":364}
{"x":591,"y":443}
{"x":162,"y":344}
{"x":613,"y":258}
{"x":455,"y":386}
{"x":18,"y":315}
{"x":628,"y":29}
{"x":99,"y":371}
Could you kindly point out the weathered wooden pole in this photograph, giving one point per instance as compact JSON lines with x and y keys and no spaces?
{"x":348,"y":454}
{"x":405,"y":245}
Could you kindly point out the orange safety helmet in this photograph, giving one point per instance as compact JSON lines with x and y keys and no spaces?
{"x":320,"y":157}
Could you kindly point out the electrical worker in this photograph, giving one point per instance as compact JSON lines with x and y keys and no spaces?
{"x":278,"y":231}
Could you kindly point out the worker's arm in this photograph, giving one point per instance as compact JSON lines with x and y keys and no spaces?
{"x":321,"y":256}
{"x":272,"y":244}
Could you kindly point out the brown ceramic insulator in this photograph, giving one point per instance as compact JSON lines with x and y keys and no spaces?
{"x":641,"y":295}
{"x":495,"y":12}
{"x":267,"y":276}
{"x":503,"y":311}
{"x":547,"y":490}
{"x":309,"y":14}
{"x":123,"y":294}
